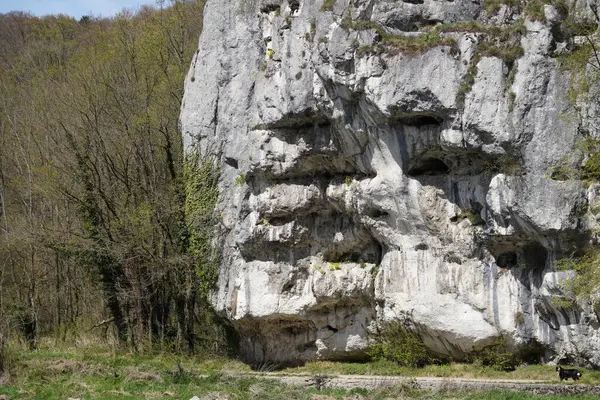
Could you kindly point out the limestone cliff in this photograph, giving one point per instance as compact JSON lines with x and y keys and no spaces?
{"x":385,"y":159}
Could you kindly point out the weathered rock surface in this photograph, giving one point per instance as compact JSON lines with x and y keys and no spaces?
{"x":362,"y":183}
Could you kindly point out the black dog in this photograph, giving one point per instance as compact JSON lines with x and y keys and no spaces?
{"x":568,"y":373}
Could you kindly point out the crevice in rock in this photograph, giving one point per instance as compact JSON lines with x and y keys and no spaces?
{"x":232,"y":162}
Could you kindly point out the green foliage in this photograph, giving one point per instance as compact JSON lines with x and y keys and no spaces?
{"x":270,"y":53}
{"x":506,"y":164}
{"x":591,"y":167}
{"x":582,"y":62}
{"x":328,"y":5}
{"x":240,"y":179}
{"x":375,"y":271}
{"x":583,"y":163}
{"x":586,"y":279}
{"x":397,"y":341}
{"x":496,"y":356}
{"x":348,"y":181}
{"x":511,"y":100}
{"x":503,"y":43}
{"x":335,"y":266}
{"x":534,"y":9}
{"x":319,"y":268}
{"x":492,"y":6}
{"x":105,"y":96}
{"x":201,"y":188}
{"x":394,"y":43}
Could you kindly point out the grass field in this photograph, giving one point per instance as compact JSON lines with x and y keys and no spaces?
{"x":98,"y":373}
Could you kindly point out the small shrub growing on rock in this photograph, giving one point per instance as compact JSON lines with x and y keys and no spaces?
{"x":328,"y":5}
{"x":240,"y":179}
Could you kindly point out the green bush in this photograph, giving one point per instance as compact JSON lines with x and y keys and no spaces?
{"x":396,"y":341}
{"x":328,"y":5}
{"x":496,"y":357}
{"x":591,"y":168}
{"x":586,"y":281}
{"x":582,"y":163}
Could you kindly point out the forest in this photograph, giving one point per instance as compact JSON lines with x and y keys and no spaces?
{"x":102,"y":231}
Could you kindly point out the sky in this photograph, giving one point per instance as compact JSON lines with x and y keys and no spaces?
{"x":75,"y":8}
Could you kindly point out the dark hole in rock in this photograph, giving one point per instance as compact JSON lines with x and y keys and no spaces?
{"x":347,"y":66}
{"x":422,"y":246}
{"x":415,"y":23}
{"x":376,"y":214}
{"x":294,"y":5}
{"x":534,"y":256}
{"x":279,"y":221}
{"x":429,"y":166}
{"x":231,"y":162}
{"x":453,"y":258}
{"x":370,"y":253}
{"x":579,"y":253}
{"x":413,"y":1}
{"x":472,"y":215}
{"x":288,"y":286}
{"x":507,"y":260}
{"x":533,"y":352}
{"x":304,"y":119}
{"x":421,"y":120}
{"x":268,"y":8}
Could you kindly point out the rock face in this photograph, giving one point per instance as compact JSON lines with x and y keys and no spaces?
{"x":378,"y":165}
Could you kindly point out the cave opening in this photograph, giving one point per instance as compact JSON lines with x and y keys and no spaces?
{"x":429,"y":166}
{"x":421,"y":120}
{"x":534,"y":256}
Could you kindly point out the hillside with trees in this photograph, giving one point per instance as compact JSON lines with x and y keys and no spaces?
{"x":94,"y":233}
